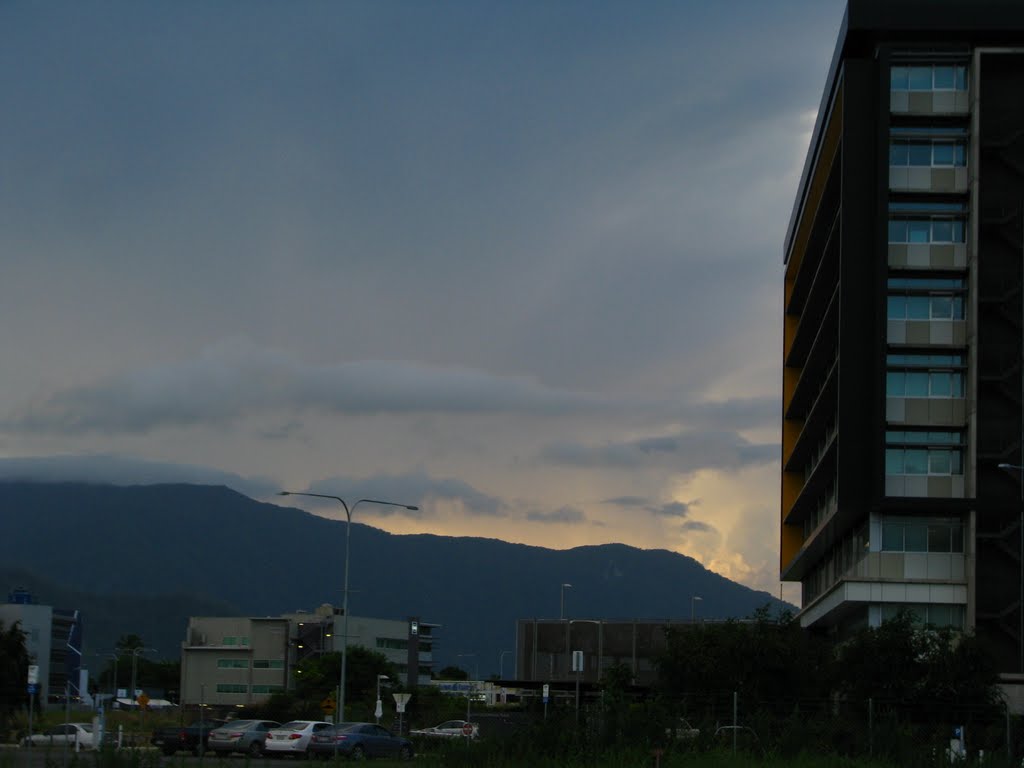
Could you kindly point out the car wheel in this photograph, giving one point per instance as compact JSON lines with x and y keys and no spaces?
{"x":255,"y":749}
{"x":405,"y":753}
{"x":358,"y":753}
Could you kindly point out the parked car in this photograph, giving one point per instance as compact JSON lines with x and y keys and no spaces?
{"x":78,"y":735}
{"x":293,"y":737}
{"x":683,"y":731}
{"x":358,"y":741}
{"x":190,"y":738}
{"x":248,"y":736}
{"x":449,"y":729}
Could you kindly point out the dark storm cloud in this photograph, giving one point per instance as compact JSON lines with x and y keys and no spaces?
{"x":562,"y":515}
{"x":695,"y":525}
{"x":685,"y":452}
{"x":229,"y":383}
{"x":414,"y":489}
{"x":669,"y":509}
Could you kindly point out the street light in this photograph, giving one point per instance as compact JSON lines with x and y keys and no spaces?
{"x":1020,"y":637}
{"x":380,"y":709}
{"x":344,"y":598}
{"x":561,"y":609}
{"x":469,"y":686}
{"x":501,"y":664}
{"x":693,"y":607}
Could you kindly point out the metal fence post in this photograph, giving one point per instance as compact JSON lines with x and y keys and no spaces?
{"x":735,"y":719}
{"x":871,"y":727}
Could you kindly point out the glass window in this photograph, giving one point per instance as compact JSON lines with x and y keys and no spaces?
{"x":940,"y":384}
{"x":897,"y":231}
{"x":920,"y":78}
{"x":942,"y":230}
{"x":916,"y":384}
{"x":232,"y":663}
{"x":942,"y":307}
{"x":899,"y":78}
{"x":230,"y":688}
{"x":892,"y":537}
{"x":915,"y":537}
{"x":894,"y":461}
{"x":897,"y":307}
{"x":919,"y":154}
{"x":919,"y":231}
{"x":942,"y":154}
{"x":918,"y":307}
{"x":940,"y":462}
{"x":898,"y":153}
{"x":915,"y":461}
{"x":939,"y":538}
{"x":895,"y":383}
{"x":961,"y":77}
{"x":945,"y":78}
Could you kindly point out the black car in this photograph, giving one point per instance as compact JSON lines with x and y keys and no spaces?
{"x":359,"y":740}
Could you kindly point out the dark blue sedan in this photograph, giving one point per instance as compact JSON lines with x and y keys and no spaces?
{"x":358,"y":741}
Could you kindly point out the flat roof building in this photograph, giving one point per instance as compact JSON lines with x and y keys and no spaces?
{"x":903,"y":322}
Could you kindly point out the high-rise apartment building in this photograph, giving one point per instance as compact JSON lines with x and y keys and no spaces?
{"x":903,"y":332}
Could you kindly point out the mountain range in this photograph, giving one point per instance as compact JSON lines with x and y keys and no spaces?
{"x":141,"y":559}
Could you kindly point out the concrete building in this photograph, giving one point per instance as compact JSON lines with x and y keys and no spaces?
{"x":53,"y":639}
{"x":241,"y":661}
{"x":903,"y":328}
{"x":544,"y":648}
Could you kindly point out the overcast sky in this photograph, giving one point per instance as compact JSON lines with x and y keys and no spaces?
{"x":517,"y":263}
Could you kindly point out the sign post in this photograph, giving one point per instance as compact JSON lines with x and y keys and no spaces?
{"x":401,"y":699}
{"x":33,"y":687}
{"x":547,"y":690}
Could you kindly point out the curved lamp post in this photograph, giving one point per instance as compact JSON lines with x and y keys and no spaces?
{"x":344,"y":598}
{"x":561,"y":604}
{"x":693,"y":607}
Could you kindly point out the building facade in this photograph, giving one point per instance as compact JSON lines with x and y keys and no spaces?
{"x":903,"y":319}
{"x":234,"y":661}
{"x":544,"y":648}
{"x":53,"y":639}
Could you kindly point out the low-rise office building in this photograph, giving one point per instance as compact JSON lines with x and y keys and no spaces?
{"x":236,"y":661}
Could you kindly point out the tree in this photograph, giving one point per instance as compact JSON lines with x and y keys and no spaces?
{"x":14,"y":662}
{"x":453,"y":673}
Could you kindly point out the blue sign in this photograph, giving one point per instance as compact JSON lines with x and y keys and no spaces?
{"x":32,"y":688}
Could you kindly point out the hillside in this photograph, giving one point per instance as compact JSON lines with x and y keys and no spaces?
{"x":208,"y":548}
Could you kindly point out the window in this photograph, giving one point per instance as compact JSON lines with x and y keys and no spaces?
{"x":267,"y":664}
{"x":935,"y":615}
{"x":926,"y":298}
{"x":231,"y":688}
{"x":392,"y":643}
{"x":924,"y":153}
{"x":267,"y":688}
{"x":928,"y":77}
{"x":917,"y":452}
{"x":923,"y":375}
{"x":923,"y":535}
{"x":232,"y":663}
{"x":940,"y":230}
{"x":235,"y":641}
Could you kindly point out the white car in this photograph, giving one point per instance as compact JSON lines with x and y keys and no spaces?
{"x":77,"y":735}
{"x":293,"y":737}
{"x":450,"y":729}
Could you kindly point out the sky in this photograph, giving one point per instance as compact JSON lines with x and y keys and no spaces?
{"x":517,"y":263}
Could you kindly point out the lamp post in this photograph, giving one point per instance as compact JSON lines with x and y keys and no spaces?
{"x":344,"y":598}
{"x":1020,"y":602}
{"x":693,"y":607}
{"x":561,"y":608}
{"x":380,"y":709}
{"x":469,"y":687}
{"x":501,"y":664}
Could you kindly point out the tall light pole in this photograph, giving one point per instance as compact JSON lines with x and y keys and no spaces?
{"x":470,"y":687}
{"x":501,"y":664}
{"x":1020,"y":602}
{"x":561,"y":604}
{"x":344,"y":598}
{"x":693,"y":607}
